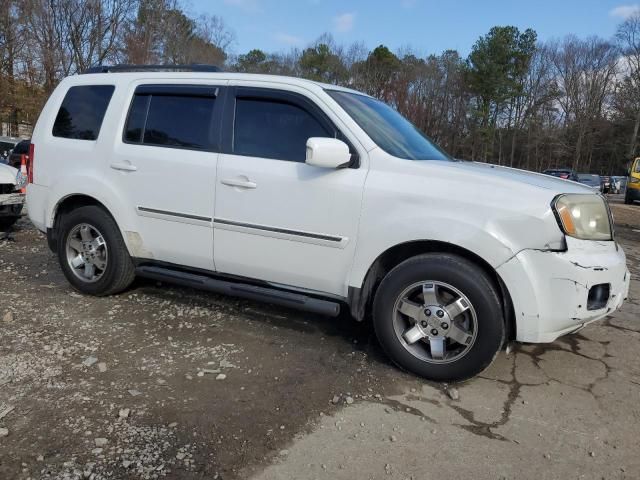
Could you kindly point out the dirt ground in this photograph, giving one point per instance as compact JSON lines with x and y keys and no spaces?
{"x":166,"y":382}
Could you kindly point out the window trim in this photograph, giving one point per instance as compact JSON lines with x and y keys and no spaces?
{"x":283,"y":96}
{"x":53,"y":125}
{"x":180,"y":90}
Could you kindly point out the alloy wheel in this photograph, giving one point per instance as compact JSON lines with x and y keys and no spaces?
{"x":435,"y":322}
{"x":87,"y":252}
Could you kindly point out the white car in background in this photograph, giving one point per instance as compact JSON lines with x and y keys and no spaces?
{"x":11,"y":199}
{"x":316,"y":197}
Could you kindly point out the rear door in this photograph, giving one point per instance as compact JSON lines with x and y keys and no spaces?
{"x":166,"y":164}
{"x":277,"y":218}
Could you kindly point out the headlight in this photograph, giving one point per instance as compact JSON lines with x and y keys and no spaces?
{"x":583,"y":216}
{"x":634,"y":180}
{"x":21,"y":180}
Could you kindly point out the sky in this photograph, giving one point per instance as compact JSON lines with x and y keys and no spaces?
{"x":428,"y":26}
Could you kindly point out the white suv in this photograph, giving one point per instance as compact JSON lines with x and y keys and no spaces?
{"x":316,"y":197}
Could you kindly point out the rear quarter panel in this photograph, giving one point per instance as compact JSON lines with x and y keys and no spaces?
{"x":65,"y":167}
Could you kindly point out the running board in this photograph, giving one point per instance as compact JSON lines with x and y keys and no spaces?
{"x":241,"y":290}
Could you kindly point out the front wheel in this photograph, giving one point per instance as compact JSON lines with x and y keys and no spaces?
{"x":91,"y":252}
{"x":7,"y":222}
{"x":627,"y":198}
{"x":13,"y":215}
{"x":439,"y":316}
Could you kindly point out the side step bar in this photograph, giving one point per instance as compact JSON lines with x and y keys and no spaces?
{"x":242,"y":290}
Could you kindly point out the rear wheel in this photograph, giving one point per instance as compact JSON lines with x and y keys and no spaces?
{"x":439,"y":316}
{"x":92,"y":254}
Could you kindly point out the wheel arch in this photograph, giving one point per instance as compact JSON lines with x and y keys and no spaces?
{"x":67,"y":204}
{"x":361,"y":299}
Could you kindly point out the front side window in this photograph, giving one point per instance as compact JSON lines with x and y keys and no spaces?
{"x":270,"y":128}
{"x":387,"y":128}
{"x":82,"y":111}
{"x":178,"y":121}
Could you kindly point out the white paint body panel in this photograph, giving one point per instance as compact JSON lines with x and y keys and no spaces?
{"x":348,"y":217}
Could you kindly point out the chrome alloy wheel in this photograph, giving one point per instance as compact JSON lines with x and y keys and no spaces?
{"x":435,"y":322}
{"x":87,"y":252}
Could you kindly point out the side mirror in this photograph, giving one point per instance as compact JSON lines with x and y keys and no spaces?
{"x":327,"y":152}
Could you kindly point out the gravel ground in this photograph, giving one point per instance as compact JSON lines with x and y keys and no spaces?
{"x":628,"y":215}
{"x":165,"y":382}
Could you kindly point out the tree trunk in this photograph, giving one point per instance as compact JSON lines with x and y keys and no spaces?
{"x":576,"y":158}
{"x":634,"y":137}
{"x":513,"y":146}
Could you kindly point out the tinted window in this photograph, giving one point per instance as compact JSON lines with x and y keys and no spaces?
{"x":179,"y":121}
{"x":137,"y":117}
{"x":82,"y":111}
{"x":387,"y":128}
{"x":274,"y":129}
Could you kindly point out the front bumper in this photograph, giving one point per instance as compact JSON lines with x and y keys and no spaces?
{"x":11,"y":199}
{"x":550,"y":289}
{"x":9,"y":203}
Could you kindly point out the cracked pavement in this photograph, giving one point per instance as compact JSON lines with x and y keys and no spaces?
{"x":167,"y":382}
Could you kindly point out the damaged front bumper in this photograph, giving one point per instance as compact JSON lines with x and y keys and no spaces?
{"x":9,"y":202}
{"x":555,"y":293}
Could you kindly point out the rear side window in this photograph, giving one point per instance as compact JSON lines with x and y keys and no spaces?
{"x":165,"y":120}
{"x":82,"y":111}
{"x":274,"y":129}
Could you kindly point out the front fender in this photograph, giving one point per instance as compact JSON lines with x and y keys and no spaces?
{"x":377,"y":238}
{"x":407,"y":201}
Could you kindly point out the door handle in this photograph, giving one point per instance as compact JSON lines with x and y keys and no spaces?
{"x":232,"y":182}
{"x":124,"y":166}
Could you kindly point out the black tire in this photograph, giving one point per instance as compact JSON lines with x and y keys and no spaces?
{"x":8,"y":222}
{"x":119,"y":272}
{"x":627,"y":199}
{"x":469,"y":279}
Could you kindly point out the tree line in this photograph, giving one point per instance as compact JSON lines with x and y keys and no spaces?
{"x":514,"y":100}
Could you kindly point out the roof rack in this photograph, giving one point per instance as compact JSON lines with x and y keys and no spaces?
{"x":196,"y":67}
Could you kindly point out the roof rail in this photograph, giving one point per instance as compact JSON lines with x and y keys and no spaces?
{"x":195,"y":67}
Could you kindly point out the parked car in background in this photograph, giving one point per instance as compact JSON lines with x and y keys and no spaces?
{"x":590,"y":179}
{"x":617,"y":184}
{"x":22,"y":148}
{"x":7,"y":144}
{"x":11,"y":199}
{"x":564,"y":173}
{"x":316,"y":197}
{"x":632,"y":192}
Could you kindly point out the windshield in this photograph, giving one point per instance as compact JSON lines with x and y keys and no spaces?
{"x":387,"y":128}
{"x":589,"y":178}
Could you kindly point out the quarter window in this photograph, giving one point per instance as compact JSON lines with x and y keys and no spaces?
{"x":274,"y":129}
{"x":179,"y":121}
{"x":82,"y":111}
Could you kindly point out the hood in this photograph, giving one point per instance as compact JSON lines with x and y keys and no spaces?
{"x":7,"y":174}
{"x":540,"y":180}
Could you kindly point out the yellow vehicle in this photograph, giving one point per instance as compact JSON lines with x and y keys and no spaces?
{"x":633,"y":183}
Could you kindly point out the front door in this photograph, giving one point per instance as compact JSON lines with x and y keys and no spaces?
{"x":166,"y":164}
{"x":276,"y":218}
